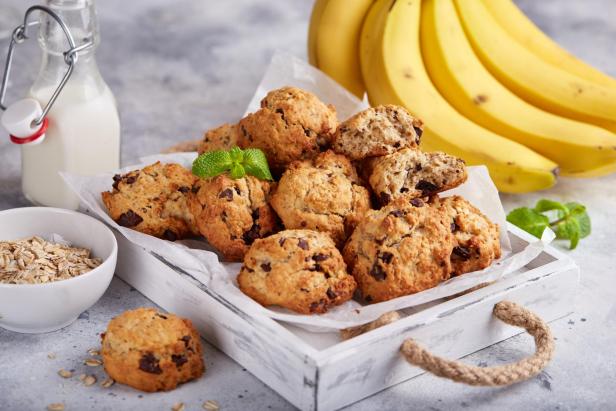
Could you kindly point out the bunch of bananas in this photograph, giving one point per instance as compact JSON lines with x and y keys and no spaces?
{"x":490,"y":87}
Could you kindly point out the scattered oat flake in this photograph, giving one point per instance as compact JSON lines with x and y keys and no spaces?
{"x":89,"y":380}
{"x":94,"y":352}
{"x":65,"y":373}
{"x":178,"y":407}
{"x":107,"y":383}
{"x":82,"y":377}
{"x":56,"y":406}
{"x":92,"y":362}
{"x":211,"y":405}
{"x":51,"y":356}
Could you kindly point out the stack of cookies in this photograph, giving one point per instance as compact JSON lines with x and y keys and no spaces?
{"x":355,"y":206}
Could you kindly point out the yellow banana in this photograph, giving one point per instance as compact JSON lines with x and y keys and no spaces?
{"x":393,"y":71}
{"x":313,"y":30}
{"x":538,"y":82}
{"x":337,"y":43}
{"x":522,"y":29}
{"x":461,"y":78}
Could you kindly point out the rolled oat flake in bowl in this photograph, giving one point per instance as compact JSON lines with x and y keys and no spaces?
{"x":35,"y":260}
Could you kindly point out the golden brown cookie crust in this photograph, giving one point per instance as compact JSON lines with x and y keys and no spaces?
{"x":400,"y":249}
{"x":153,"y":200}
{"x":151,"y":351}
{"x":231,"y":214}
{"x":377,"y":131}
{"x":321,"y":195}
{"x":291,"y":125}
{"x":223,"y":137}
{"x":301,"y":270}
{"x":477,"y":239}
{"x":412,"y":173}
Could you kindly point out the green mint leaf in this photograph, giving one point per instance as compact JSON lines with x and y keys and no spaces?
{"x":255,"y":164}
{"x":212,"y":164}
{"x":529,"y":220}
{"x":578,"y":212}
{"x":237,"y":171}
{"x":237,"y":155}
{"x":549,"y":205}
{"x":569,"y":229}
{"x":575,"y":208}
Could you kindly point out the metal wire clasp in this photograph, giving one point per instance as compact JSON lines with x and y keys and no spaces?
{"x":20,"y":34}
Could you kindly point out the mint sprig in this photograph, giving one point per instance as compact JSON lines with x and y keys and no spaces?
{"x":236,"y":161}
{"x":570,"y":221}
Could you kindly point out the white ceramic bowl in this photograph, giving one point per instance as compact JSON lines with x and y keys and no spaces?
{"x":39,"y":308}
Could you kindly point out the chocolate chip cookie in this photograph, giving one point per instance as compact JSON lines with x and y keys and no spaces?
{"x":412,"y":173}
{"x":231,"y":214}
{"x":477,"y":242}
{"x":151,"y":351}
{"x":153,"y":200}
{"x":321,"y":195}
{"x":377,"y":131}
{"x":301,"y":270}
{"x":400,"y":249}
{"x":220,"y":138}
{"x":292,"y":124}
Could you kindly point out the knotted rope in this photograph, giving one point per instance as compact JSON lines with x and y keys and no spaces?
{"x":510,"y":313}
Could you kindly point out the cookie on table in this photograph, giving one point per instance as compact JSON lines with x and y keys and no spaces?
{"x":412,"y":173}
{"x":400,"y":249}
{"x":477,"y":241}
{"x":322,"y":195}
{"x":153,"y":200}
{"x":377,"y":131}
{"x":220,"y":138}
{"x":292,"y":124}
{"x":232,"y":214}
{"x":151,"y":351}
{"x":301,"y":270}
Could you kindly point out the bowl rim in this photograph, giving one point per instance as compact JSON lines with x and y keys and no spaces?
{"x":110,"y":260}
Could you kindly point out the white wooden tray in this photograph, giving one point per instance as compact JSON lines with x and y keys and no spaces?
{"x":317,"y":371}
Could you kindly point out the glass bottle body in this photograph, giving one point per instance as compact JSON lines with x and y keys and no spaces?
{"x":83,"y":136}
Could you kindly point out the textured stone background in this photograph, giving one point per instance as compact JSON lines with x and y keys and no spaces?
{"x":174,"y":66}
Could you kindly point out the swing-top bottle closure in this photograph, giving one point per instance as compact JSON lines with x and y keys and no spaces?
{"x":25,"y":120}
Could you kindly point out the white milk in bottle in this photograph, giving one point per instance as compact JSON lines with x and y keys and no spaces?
{"x":83,"y":136}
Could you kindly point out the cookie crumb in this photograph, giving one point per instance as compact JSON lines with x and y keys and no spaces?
{"x":178,"y":407}
{"x":211,"y":405}
{"x":89,"y":380}
{"x":51,"y":356}
{"x":65,"y":373}
{"x":56,"y":406}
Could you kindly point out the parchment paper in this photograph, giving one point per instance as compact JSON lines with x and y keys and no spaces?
{"x":199,"y":260}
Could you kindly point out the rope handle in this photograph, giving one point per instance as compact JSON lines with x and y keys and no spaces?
{"x":506,"y":311}
{"x":510,"y":313}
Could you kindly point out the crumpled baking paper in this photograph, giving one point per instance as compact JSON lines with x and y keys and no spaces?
{"x":197,"y":259}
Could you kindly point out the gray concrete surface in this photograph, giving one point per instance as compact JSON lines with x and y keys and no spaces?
{"x":171,"y":66}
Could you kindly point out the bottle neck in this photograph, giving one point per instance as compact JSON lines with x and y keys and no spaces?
{"x":80,"y":18}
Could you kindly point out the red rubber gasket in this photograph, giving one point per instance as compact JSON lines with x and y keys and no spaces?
{"x":33,"y":137}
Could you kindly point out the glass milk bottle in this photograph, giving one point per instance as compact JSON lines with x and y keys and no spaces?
{"x":83,"y":134}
